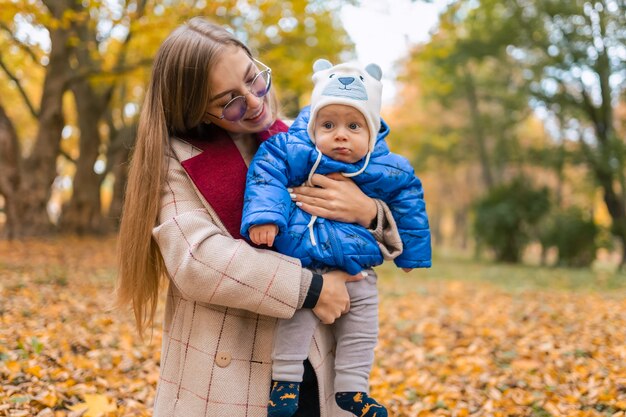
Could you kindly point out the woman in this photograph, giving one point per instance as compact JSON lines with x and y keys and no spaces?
{"x":206,"y":109}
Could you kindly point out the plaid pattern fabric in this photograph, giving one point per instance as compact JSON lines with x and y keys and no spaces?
{"x":223,"y":300}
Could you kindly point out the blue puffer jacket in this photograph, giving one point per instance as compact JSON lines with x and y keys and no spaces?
{"x":286,"y":159}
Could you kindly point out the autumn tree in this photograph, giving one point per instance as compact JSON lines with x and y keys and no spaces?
{"x":100,"y":53}
{"x":462,"y":102}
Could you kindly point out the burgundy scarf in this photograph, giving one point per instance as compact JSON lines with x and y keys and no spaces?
{"x":219,"y":173}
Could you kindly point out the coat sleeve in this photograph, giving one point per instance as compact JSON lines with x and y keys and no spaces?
{"x":266,"y":198}
{"x":408,"y":208}
{"x":386,"y":232}
{"x":207,"y":265}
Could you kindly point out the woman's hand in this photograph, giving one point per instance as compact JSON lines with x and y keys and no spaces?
{"x":337,"y":198}
{"x":334,"y":299}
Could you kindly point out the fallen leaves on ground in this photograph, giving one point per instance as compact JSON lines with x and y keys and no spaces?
{"x":446,"y":348}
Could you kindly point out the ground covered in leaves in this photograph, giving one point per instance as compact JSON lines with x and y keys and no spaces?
{"x":462,"y":339}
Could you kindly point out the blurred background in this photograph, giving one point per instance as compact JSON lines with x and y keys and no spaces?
{"x":512,"y":112}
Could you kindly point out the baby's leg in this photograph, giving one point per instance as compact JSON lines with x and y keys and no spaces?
{"x":292,"y":341}
{"x":357,"y":334}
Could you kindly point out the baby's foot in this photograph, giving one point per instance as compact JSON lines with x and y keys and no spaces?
{"x":283,"y":399}
{"x":360,"y":404}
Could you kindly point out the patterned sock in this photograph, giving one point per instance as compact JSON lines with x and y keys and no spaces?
{"x":360,"y":404}
{"x":283,"y":399}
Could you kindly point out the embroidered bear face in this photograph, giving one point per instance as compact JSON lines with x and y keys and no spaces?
{"x":346,"y":85}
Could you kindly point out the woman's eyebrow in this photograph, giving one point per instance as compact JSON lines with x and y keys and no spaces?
{"x":229,"y":91}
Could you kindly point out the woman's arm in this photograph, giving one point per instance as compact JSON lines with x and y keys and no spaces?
{"x":209,"y":266}
{"x":338,"y":198}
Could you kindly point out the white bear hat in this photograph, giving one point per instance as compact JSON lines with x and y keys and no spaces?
{"x":351,"y":85}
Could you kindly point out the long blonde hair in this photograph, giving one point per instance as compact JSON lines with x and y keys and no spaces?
{"x":174,"y":105}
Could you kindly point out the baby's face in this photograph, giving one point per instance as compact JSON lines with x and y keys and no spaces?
{"x":341,"y":133}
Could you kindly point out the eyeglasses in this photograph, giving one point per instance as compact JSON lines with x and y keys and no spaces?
{"x":259,"y":86}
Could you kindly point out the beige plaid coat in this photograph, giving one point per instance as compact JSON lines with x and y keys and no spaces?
{"x":223,"y":302}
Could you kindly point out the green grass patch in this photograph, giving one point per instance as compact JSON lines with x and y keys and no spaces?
{"x":510,"y":277}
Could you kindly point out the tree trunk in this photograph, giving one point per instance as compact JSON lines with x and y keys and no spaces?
{"x":477,"y":128}
{"x":117,"y":157}
{"x":39,"y":169}
{"x":9,"y":173}
{"x":83,"y":213}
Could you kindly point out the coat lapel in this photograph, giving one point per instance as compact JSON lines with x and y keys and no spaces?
{"x":219,"y":173}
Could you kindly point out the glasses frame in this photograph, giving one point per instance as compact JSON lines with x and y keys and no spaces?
{"x":267,"y":70}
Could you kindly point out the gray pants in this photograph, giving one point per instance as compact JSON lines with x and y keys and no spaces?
{"x":356,"y":334}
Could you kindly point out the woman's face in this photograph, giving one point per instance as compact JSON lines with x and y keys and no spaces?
{"x":231,"y":77}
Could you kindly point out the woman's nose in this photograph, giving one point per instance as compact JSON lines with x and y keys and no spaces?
{"x":253,"y":101}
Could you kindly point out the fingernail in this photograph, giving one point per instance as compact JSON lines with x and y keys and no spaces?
{"x":299,"y":204}
{"x":293,"y":196}
{"x":290,"y":190}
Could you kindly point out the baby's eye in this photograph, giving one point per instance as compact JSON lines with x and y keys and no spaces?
{"x":328,"y":125}
{"x":353,"y":126}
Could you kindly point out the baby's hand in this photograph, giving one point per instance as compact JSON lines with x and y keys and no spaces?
{"x":263,"y":234}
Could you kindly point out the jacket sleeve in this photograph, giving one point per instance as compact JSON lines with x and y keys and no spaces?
{"x":409,"y":211}
{"x":207,"y":265}
{"x":266,"y":198}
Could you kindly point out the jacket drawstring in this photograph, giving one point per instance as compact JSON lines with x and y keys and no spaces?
{"x":310,"y":184}
{"x":354,"y":174}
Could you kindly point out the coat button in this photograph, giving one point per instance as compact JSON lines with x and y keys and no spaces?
{"x":222,"y":359}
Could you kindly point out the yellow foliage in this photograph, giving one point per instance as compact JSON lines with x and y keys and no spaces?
{"x":97,"y":405}
{"x":446,"y":348}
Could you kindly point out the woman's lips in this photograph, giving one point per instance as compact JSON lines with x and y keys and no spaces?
{"x":258,"y":115}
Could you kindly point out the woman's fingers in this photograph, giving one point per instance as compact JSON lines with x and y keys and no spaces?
{"x":356,"y":277}
{"x":323,"y":181}
{"x":337,"y":198}
{"x":315,"y":210}
{"x":334,"y":299}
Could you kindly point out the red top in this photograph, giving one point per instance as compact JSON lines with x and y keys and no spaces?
{"x":219,"y":173}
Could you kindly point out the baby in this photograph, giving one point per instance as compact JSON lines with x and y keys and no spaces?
{"x":342,"y":132}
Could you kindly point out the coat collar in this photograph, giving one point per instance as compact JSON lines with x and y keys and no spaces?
{"x":219,"y":173}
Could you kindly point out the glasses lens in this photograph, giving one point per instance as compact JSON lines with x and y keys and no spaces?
{"x":235,"y":109}
{"x":261,"y":84}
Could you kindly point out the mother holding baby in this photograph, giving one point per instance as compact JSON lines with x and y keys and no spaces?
{"x":208,"y":107}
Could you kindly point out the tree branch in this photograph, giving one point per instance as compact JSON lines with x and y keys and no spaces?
{"x":21,"y":90}
{"x":20,"y":44}
{"x":592,"y":112}
{"x":79,"y":76}
{"x":67,"y":156}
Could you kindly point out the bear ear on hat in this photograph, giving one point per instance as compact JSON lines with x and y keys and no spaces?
{"x":375,"y":71}
{"x":321,"y":64}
